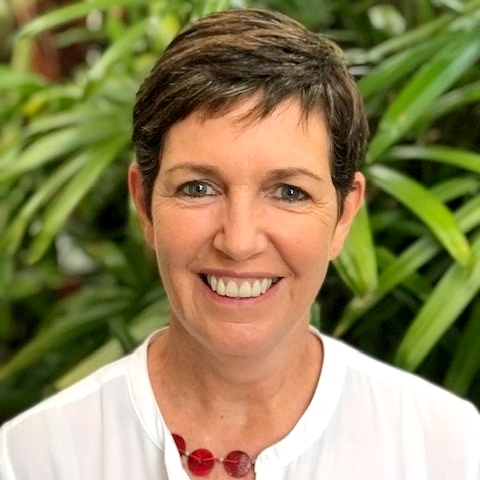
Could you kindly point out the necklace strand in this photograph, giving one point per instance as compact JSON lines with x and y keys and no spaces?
{"x":200,"y":462}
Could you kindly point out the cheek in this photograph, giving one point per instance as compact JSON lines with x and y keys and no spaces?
{"x":307,"y":247}
{"x":178,"y":236}
{"x":166,"y":238}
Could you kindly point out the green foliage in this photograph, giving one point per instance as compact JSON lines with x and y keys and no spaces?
{"x":77,"y":286}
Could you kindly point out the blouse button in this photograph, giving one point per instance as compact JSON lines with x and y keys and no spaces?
{"x":266,"y":457}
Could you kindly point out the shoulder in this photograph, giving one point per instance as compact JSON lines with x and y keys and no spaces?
{"x":86,"y":391}
{"x":70,"y":423}
{"x":65,"y":418}
{"x":367,"y":375}
{"x":403,"y":399}
{"x":400,"y":415}
{"x":46,"y":431}
{"x":114,"y":407}
{"x":113,"y":382}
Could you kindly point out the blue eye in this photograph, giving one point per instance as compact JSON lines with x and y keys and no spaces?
{"x":197,"y":189}
{"x":289,"y":193}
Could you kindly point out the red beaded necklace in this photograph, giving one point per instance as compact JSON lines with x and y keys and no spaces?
{"x":201,"y":461}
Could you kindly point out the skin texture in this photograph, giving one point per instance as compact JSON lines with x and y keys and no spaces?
{"x":243,"y":200}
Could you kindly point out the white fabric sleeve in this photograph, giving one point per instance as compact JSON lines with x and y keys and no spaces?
{"x":6,"y":472}
{"x":474,"y":457}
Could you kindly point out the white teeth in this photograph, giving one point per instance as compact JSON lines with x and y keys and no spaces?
{"x":256,"y":289}
{"x":220,"y":287}
{"x":266,"y":284}
{"x":246,"y":289}
{"x":231,"y":290}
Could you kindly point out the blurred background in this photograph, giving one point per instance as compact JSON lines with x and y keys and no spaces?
{"x":78,"y":288}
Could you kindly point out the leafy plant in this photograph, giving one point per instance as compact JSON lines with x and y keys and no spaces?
{"x":419,"y":80}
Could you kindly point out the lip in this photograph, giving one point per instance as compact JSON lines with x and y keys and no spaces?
{"x":238,"y":275}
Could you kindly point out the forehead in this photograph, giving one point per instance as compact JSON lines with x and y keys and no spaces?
{"x":254,"y":108}
{"x":244,"y":111}
{"x":282,"y":139}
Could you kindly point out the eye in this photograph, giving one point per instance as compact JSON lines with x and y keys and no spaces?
{"x":197,"y":189}
{"x":289,"y":193}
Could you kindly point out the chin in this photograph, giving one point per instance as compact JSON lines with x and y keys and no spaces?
{"x":239,"y":339}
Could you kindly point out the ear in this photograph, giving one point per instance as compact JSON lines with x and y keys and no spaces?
{"x":135,"y":186}
{"x":352,"y":204}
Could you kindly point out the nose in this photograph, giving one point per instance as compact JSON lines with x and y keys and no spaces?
{"x":242,"y":231}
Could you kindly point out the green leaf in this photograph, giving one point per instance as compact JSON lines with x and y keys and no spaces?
{"x":387,"y":18}
{"x":53,"y":122}
{"x":208,"y":6}
{"x":11,"y":79}
{"x":425,"y":206}
{"x":316,"y":315}
{"x":6,"y":274}
{"x":68,"y":13}
{"x":393,"y":274}
{"x":437,"y":153}
{"x":415,"y":283}
{"x":449,"y":298}
{"x":62,"y":174}
{"x":409,"y":38}
{"x":89,"y":320}
{"x":420,"y":93}
{"x":457,"y":187}
{"x":100,"y":156}
{"x":42,"y":99}
{"x":44,"y":150}
{"x":423,"y":33}
{"x":454,"y":100}
{"x":466,"y":360}
{"x":359,"y":305}
{"x":119,"y":330}
{"x":424,"y":249}
{"x":357,"y":264}
{"x":455,"y":5}
{"x":121,"y":261}
{"x":414,"y":257}
{"x":152,"y":318}
{"x":118,"y":50}
{"x":398,"y":66}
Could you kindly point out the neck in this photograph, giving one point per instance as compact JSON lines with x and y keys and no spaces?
{"x":242,"y":389}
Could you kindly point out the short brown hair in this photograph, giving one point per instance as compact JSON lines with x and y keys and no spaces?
{"x":226,"y":57}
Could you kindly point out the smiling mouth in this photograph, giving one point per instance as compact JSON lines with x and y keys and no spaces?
{"x":248,"y":288}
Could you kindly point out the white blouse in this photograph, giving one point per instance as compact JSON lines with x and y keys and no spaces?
{"x":366,"y":421}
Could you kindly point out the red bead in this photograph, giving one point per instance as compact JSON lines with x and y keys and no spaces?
{"x":180,"y":443}
{"x":200,"y":462}
{"x":237,"y":464}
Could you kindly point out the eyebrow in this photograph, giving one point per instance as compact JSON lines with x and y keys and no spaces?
{"x":194,"y":168}
{"x":276,"y":175}
{"x":290,"y":172}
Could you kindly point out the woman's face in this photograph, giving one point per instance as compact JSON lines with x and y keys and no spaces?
{"x":244,"y":224}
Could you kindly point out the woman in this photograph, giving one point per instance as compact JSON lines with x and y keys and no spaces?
{"x":248,"y":133}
